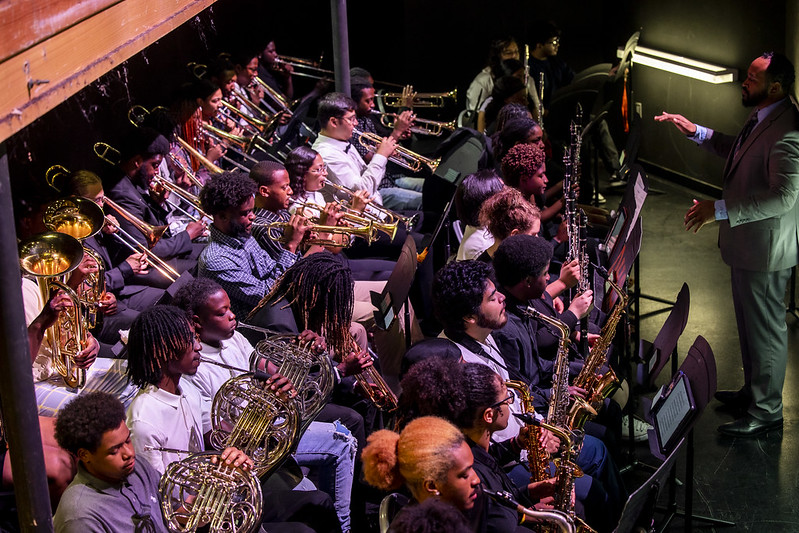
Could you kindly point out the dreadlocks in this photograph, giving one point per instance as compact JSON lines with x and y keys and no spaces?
{"x":159,"y":335}
{"x":319,"y":290}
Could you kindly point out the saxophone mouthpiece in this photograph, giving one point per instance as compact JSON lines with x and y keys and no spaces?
{"x":528,"y":419}
{"x":602,"y":271}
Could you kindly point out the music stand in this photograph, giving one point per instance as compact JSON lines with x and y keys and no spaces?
{"x":639,"y":510}
{"x":699,"y":368}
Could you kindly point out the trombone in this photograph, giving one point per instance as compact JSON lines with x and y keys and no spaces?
{"x":183,"y":194}
{"x":401,"y":156}
{"x":374,"y":212}
{"x":368,"y":233}
{"x":421,"y":126}
{"x":419,"y":99}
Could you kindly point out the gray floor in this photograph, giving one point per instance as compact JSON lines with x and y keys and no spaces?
{"x":752,"y":482}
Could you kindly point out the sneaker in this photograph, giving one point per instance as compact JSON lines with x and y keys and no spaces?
{"x":640,"y":429}
{"x":600,"y":199}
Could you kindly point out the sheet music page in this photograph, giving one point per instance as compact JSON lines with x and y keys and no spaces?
{"x":673,"y":411}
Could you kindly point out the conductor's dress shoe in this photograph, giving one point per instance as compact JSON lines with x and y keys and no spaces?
{"x":749,"y":426}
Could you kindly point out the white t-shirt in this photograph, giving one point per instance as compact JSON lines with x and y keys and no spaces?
{"x":475,"y":241}
{"x":161,"y":419}
{"x":209,"y":377}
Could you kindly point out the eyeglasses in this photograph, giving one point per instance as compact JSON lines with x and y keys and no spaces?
{"x":351,"y":119}
{"x":509,"y":400}
{"x":320,"y":170}
{"x":556,"y":40}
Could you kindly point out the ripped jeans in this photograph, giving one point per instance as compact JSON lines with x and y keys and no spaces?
{"x":330,"y":448}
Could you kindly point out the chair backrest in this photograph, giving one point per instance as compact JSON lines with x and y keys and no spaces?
{"x":666,"y":340}
{"x":389,"y":508}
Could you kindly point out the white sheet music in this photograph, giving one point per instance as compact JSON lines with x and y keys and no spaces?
{"x":673,"y":411}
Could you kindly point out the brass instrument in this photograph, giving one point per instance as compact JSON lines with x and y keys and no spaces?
{"x":419,"y":99}
{"x":265,"y":128}
{"x":137,"y":113}
{"x":248,"y":415}
{"x":204,"y":161}
{"x":421,"y":126}
{"x":537,"y":456}
{"x":374,"y":212}
{"x":368,"y":233}
{"x":284,"y":105}
{"x":186,"y":170}
{"x":600,"y":386}
{"x":309,"y":372}
{"x":254,"y":108}
{"x":351,"y":217}
{"x":300,"y":66}
{"x":50,"y":257}
{"x":184,"y":195}
{"x":374,"y":386}
{"x":107,"y":153}
{"x":151,"y":233}
{"x":242,"y":143}
{"x":401,"y":156}
{"x":199,"y":490}
{"x":81,"y":218}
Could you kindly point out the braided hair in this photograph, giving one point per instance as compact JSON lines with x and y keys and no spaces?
{"x":157,"y":336}
{"x":320,"y":290}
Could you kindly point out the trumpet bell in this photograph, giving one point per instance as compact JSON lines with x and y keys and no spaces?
{"x":78,"y":217}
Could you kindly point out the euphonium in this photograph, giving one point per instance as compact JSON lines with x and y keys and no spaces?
{"x":48,"y":257}
{"x":368,"y":233}
{"x":600,"y":386}
{"x":81,"y":218}
{"x":537,"y":456}
{"x":248,"y":415}
{"x":197,"y":491}
{"x":402,"y":156}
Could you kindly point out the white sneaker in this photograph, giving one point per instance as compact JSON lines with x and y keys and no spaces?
{"x":640,"y":429}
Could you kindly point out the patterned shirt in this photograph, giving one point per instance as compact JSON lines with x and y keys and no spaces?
{"x":242,"y":268}
{"x":260,"y":233}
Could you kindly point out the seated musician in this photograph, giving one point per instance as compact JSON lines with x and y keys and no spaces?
{"x":398,"y":190}
{"x":328,"y":446}
{"x":141,"y":154}
{"x":42,"y":312}
{"x":233,"y":257}
{"x":470,"y":195}
{"x":516,"y":131}
{"x":470,"y":307}
{"x":170,"y":416}
{"x":114,"y":490}
{"x":276,"y":75}
{"x":474,"y":398}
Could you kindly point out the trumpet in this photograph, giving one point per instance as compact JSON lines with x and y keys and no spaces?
{"x":419,"y":99}
{"x":401,"y":156}
{"x":50,"y":257}
{"x":374,"y":386}
{"x":368,"y":233}
{"x":421,"y":126}
{"x":374,"y":212}
{"x":351,"y":217}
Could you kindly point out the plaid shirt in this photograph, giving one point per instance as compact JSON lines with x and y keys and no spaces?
{"x":242,"y":268}
{"x":264,"y":216}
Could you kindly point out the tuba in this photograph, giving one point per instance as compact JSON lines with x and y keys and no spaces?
{"x":247,"y":415}
{"x":50,"y":257}
{"x":196,"y":491}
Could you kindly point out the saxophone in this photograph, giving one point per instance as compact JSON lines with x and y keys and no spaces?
{"x":537,"y":456}
{"x":559,"y":413}
{"x":600,"y":386}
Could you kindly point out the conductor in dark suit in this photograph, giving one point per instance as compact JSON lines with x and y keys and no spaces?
{"x":758,"y":232}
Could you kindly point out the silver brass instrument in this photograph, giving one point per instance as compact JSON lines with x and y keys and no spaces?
{"x":559,"y":519}
{"x":374,"y":212}
{"x":50,"y":257}
{"x":368,"y":233}
{"x":248,"y":415}
{"x":401,"y":156}
{"x":421,"y":126}
{"x":195,"y":491}
{"x":419,"y":99}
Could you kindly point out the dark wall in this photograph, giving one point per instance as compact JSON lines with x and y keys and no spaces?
{"x":728,"y":33}
{"x":437,"y":46}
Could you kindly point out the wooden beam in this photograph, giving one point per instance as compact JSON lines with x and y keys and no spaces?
{"x":46,"y":74}
{"x":27,"y":22}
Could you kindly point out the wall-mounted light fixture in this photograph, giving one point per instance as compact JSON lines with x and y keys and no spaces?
{"x":683,"y":66}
